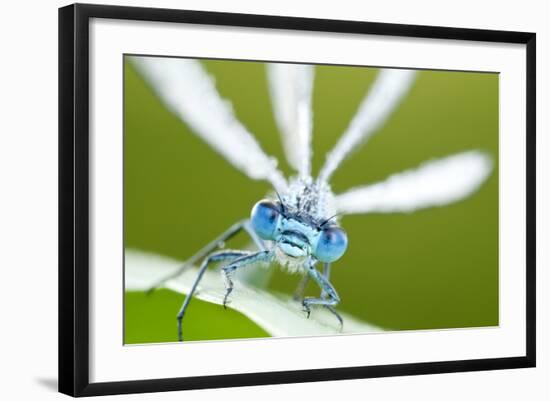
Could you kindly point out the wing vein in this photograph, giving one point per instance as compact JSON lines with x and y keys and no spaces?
{"x":435,"y":183}
{"x":291,"y":87}
{"x":187,"y":90}
{"x":386,"y":93}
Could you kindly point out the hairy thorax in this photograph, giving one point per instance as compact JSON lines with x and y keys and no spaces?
{"x":310,"y":199}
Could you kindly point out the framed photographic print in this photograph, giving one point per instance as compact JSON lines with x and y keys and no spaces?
{"x":251,"y":199}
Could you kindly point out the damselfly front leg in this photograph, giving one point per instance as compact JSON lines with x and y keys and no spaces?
{"x":329,"y":298}
{"x":228,"y":270}
{"x":209,"y":248}
{"x":213,"y":257}
{"x":298,"y":294}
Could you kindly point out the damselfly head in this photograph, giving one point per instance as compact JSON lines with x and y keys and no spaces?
{"x":297,"y":235}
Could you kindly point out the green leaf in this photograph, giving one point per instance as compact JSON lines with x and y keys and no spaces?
{"x":278,"y":314}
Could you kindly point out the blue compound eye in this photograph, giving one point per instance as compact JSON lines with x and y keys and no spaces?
{"x":264,"y":218}
{"x":332,"y":244}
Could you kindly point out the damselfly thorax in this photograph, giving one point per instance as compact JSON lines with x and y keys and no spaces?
{"x":310,"y":199}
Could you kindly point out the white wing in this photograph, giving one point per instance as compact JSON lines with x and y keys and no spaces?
{"x":189,"y":92}
{"x":291,"y":86}
{"x":435,"y":183}
{"x":388,"y":90}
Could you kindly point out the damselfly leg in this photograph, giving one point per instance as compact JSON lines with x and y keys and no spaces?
{"x":328,"y":299}
{"x":298,"y":294}
{"x":228,"y":270}
{"x":214,"y":257}
{"x":300,"y":290}
{"x":209,"y":248}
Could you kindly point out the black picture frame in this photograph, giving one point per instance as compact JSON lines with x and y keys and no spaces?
{"x":74,"y":194}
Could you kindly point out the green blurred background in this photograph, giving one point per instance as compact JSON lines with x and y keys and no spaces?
{"x":436,"y":268}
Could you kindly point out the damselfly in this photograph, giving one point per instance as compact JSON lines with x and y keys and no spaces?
{"x":297,"y":225}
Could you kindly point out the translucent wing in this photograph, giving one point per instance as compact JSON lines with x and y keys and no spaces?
{"x":188,"y":91}
{"x":435,"y":183}
{"x":291,"y":86}
{"x":385,"y":95}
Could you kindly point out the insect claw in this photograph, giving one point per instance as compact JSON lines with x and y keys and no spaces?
{"x":225,"y":297}
{"x":332,"y":310}
{"x":306,"y":309}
